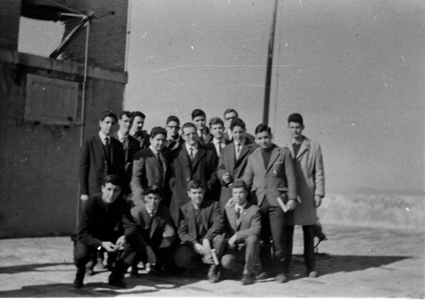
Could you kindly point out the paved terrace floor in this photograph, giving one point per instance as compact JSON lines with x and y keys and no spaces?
{"x":354,"y":262}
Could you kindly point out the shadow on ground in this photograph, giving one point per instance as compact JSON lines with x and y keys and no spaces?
{"x":34,"y":267}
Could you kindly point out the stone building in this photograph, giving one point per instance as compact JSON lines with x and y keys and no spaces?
{"x":46,"y":112}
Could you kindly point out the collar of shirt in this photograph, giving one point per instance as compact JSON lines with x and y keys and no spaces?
{"x":238,"y":207}
{"x":121,"y":136}
{"x":195,"y":148}
{"x":150,"y":212}
{"x":242,"y":143}
{"x":294,"y":141}
{"x":216,"y":141}
{"x":153,"y":150}
{"x":270,"y":149}
{"x":103,"y":137}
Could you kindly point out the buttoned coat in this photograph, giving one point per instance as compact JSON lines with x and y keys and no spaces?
{"x":95,"y":164}
{"x":277,"y":180}
{"x":130,"y":148}
{"x":235,"y":167}
{"x":250,"y":223}
{"x":211,"y":220}
{"x":148,"y":171}
{"x":157,"y":232}
{"x":310,"y":181}
{"x":203,"y":168}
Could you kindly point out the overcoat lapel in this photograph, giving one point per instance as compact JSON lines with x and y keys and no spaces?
{"x":275,"y":154}
{"x":199,"y":155}
{"x":305,"y":146}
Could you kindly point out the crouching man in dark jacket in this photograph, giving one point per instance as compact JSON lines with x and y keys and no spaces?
{"x":101,"y":215}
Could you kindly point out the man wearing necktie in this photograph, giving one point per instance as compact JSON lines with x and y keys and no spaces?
{"x":156,"y":228}
{"x":191,"y":161}
{"x":129,"y":144}
{"x":216,"y":129}
{"x":137,"y":129}
{"x":233,"y":159}
{"x":229,"y":115}
{"x":242,"y":221}
{"x":151,"y":167}
{"x":199,"y":118}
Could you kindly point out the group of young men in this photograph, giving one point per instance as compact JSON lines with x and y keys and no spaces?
{"x":211,"y":195}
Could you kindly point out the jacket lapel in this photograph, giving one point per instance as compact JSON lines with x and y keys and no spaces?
{"x":275,"y":154}
{"x":199,"y":155}
{"x":305,"y":146}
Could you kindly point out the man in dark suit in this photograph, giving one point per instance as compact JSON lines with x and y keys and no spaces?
{"x":242,"y":222}
{"x":191,"y":161}
{"x":151,"y":167}
{"x":199,"y":118}
{"x":271,"y":175}
{"x":102,"y":214}
{"x":100,"y":155}
{"x":174,"y":140}
{"x":137,"y":129}
{"x":129,"y":144}
{"x":200,"y":231}
{"x":156,"y":228}
{"x":233,"y":160}
{"x":229,"y":115}
{"x":216,"y":129}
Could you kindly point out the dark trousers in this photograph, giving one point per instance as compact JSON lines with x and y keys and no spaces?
{"x":273,"y":225}
{"x":309,"y":256}
{"x":163,"y":251}
{"x":248,"y":253}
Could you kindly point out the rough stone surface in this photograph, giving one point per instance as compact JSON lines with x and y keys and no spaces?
{"x":354,"y":262}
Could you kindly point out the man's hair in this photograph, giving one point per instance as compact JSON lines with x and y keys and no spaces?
{"x":126,"y":113}
{"x":113,"y":179}
{"x":108,"y":113}
{"x":263,"y":127}
{"x":195,"y":184}
{"x":237,"y":122}
{"x":153,"y":189}
{"x":158,"y":130}
{"x":139,"y":114}
{"x":229,"y":110}
{"x":239,"y":183}
{"x":172,"y":119}
{"x":296,"y":118}
{"x":198,"y":113}
{"x":215,"y":121}
{"x":188,"y":125}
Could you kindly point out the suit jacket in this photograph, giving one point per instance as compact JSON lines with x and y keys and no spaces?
{"x":249,"y":225}
{"x":129,"y":148}
{"x":203,"y":167}
{"x":310,"y":181}
{"x":207,"y":138}
{"x":148,"y":171}
{"x":174,"y":144}
{"x":156,"y":232}
{"x":143,"y":138}
{"x":249,"y":137}
{"x":277,"y":180}
{"x":95,"y":164}
{"x":211,"y":220}
{"x":235,"y":168}
{"x":211,"y":145}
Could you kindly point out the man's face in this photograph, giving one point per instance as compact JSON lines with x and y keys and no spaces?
{"x":125,"y":124}
{"x":190,"y":136}
{"x":138,"y":123}
{"x":296,"y":129}
{"x":110,"y":192}
{"x":228,"y":118}
{"x":196,"y":196}
{"x":239,"y":195}
{"x":173,"y":129}
{"x":158,"y":142}
{"x":263,"y":139}
{"x":200,"y":122}
{"x":152,"y":201}
{"x":238,"y":134}
{"x":217,"y":131}
{"x":107,"y":125}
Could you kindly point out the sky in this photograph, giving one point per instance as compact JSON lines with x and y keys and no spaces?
{"x":355,"y":69}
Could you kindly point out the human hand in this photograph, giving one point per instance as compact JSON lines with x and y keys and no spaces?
{"x":151,"y":255}
{"x":120,"y":243}
{"x":108,"y":246}
{"x":226,"y":178}
{"x":230,"y":202}
{"x":291,"y":205}
{"x":84,"y":197}
{"x":232,"y":241}
{"x":317,"y":201}
{"x":199,"y":249}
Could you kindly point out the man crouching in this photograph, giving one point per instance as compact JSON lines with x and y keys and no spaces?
{"x":200,"y":226}
{"x":101,"y":215}
{"x":243,"y":227}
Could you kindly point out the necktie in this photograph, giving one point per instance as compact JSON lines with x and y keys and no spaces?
{"x":191,"y":153}
{"x":238,"y":150}
{"x":158,"y":156}
{"x":107,"y":142}
{"x":219,"y":149}
{"x":125,"y":141}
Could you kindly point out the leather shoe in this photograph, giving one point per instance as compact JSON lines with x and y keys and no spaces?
{"x":78,"y":283}
{"x":248,"y":279}
{"x":281,"y":278}
{"x":263,"y":275}
{"x":117,"y":282}
{"x":213,"y":274}
{"x":313,"y":274}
